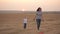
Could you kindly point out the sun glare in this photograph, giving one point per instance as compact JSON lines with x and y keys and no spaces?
{"x":23,"y":9}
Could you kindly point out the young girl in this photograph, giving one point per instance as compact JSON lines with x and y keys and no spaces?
{"x":25,"y":22}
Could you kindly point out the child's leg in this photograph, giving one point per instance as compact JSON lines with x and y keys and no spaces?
{"x":24,"y":25}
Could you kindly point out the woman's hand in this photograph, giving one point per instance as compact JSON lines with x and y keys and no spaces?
{"x":34,"y":19}
{"x":42,"y":19}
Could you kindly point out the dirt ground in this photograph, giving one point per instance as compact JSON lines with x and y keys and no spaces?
{"x":12,"y":23}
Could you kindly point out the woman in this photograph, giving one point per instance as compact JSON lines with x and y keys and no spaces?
{"x":38,"y":17}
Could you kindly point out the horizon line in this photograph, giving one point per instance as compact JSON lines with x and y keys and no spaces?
{"x":28,"y":12}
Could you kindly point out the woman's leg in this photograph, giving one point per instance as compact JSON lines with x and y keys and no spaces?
{"x":38,"y":23}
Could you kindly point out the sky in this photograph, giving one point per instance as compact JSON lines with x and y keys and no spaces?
{"x":30,"y":5}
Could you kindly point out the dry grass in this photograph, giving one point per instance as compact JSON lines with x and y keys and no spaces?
{"x":13,"y":24}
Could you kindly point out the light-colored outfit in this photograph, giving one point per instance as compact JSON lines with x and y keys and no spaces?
{"x":25,"y":20}
{"x":38,"y":15}
{"x":38,"y":18}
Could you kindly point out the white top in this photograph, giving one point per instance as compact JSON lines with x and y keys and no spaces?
{"x":38,"y":15}
{"x":25,"y":20}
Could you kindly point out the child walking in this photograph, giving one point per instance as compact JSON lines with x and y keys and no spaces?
{"x":25,"y":22}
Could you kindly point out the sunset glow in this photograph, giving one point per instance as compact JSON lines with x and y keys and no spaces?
{"x":30,"y":5}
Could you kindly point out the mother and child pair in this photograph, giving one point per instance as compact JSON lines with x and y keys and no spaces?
{"x":37,"y":17}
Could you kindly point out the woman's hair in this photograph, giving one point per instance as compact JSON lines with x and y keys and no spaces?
{"x":39,"y":9}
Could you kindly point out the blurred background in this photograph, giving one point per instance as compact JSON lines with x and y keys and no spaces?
{"x":30,"y":5}
{"x":12,"y":13}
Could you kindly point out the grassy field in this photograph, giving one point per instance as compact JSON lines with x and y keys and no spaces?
{"x":12,"y":23}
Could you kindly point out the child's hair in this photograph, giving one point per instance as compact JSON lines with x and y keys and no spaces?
{"x":25,"y":16}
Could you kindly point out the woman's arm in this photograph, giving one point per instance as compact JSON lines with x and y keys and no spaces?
{"x":34,"y":18}
{"x":42,"y":18}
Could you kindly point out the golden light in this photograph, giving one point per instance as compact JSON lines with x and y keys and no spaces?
{"x":23,"y":9}
{"x":29,"y":5}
